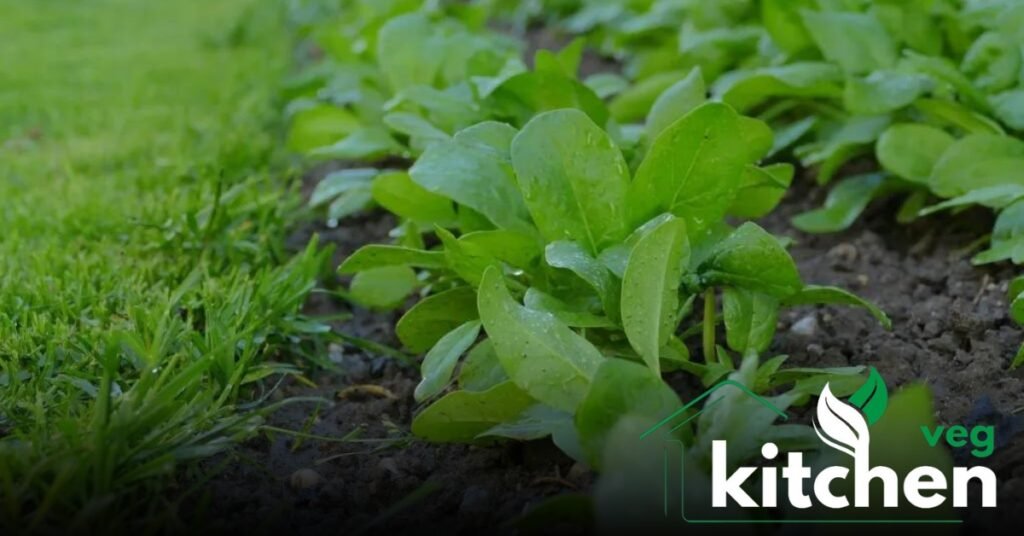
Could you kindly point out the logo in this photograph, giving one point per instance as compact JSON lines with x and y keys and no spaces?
{"x":842,"y":475}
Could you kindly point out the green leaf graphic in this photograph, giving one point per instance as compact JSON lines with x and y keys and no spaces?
{"x":872,"y":398}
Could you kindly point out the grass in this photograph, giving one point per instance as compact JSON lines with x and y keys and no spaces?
{"x":143,"y":278}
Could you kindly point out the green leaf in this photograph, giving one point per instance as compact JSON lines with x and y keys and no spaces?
{"x":484,"y":86}
{"x":997,"y":197}
{"x":570,"y":56}
{"x":516,"y":248}
{"x":379,"y":255}
{"x":957,"y":115}
{"x":1016,"y":287}
{"x":730,"y":412}
{"x":744,"y":90}
{"x":568,"y":315}
{"x":397,"y":192}
{"x":339,"y":182}
{"x":318,"y":126}
{"x":839,"y":144}
{"x":761,"y":190}
{"x":572,"y":177}
{"x":620,"y":388}
{"x":692,"y":170}
{"x":605,"y":85}
{"x":993,"y":62}
{"x":408,"y":52}
{"x":571,"y":256}
{"x":816,"y":294}
{"x":650,"y":289}
{"x":465,"y":258}
{"x":1009,"y":108}
{"x":414,"y":126}
{"x":911,"y":206}
{"x":628,"y":493}
{"x":540,"y":421}
{"x":440,"y":361}
{"x":461,"y":416}
{"x":781,"y":18}
{"x":750,"y":319}
{"x":675,"y":102}
{"x":348,"y":203}
{"x":977,"y":161}
{"x":525,"y":95}
{"x":1017,"y":309}
{"x":857,"y":42}
{"x":788,"y":134}
{"x":432,"y":317}
{"x":481,"y":369}
{"x":473,"y":169}
{"x":635,"y":102}
{"x":565,"y":61}
{"x":448,"y":109}
{"x":367,"y":143}
{"x":882,"y":92}
{"x":383,"y":288}
{"x":910,"y":150}
{"x":540,"y":354}
{"x":751,"y":258}
{"x":913,"y":23}
{"x":943,"y":70}
{"x":1007,"y":237}
{"x":843,"y":205}
{"x":758,"y":138}
{"x":872,"y":398}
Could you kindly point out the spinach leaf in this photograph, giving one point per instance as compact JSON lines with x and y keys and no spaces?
{"x":750,"y":319}
{"x":910,"y":150}
{"x":620,"y":388}
{"x":431,"y":318}
{"x":440,"y":361}
{"x":474,"y":169}
{"x":843,"y":204}
{"x":462,"y":416}
{"x":540,"y":354}
{"x":573,"y":179}
{"x":650,"y":289}
{"x":675,"y":102}
{"x":571,"y":256}
{"x":751,"y":258}
{"x":857,"y":42}
{"x":693,"y":169}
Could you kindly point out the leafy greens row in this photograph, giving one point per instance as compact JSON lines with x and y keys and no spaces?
{"x":568,"y":248}
{"x":933,"y":88}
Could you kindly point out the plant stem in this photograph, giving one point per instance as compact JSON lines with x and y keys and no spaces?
{"x":709,"y":326}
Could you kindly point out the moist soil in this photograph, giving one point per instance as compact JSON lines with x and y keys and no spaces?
{"x":950,"y":331}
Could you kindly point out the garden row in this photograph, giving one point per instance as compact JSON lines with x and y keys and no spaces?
{"x":584,"y":227}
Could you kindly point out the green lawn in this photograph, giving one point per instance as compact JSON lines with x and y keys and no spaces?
{"x":142,"y":274}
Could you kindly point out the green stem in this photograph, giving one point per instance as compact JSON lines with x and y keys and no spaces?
{"x":709,"y":326}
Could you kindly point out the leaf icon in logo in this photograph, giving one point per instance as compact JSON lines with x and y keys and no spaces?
{"x":872,"y":398}
{"x":840,"y":425}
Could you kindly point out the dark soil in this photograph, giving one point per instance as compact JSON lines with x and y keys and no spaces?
{"x":951,"y":328}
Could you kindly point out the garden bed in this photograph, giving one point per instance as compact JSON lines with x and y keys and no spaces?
{"x":950,"y":331}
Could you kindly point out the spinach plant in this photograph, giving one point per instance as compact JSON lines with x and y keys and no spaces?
{"x":397,"y":81}
{"x":570,"y":262}
{"x":932,"y":88}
